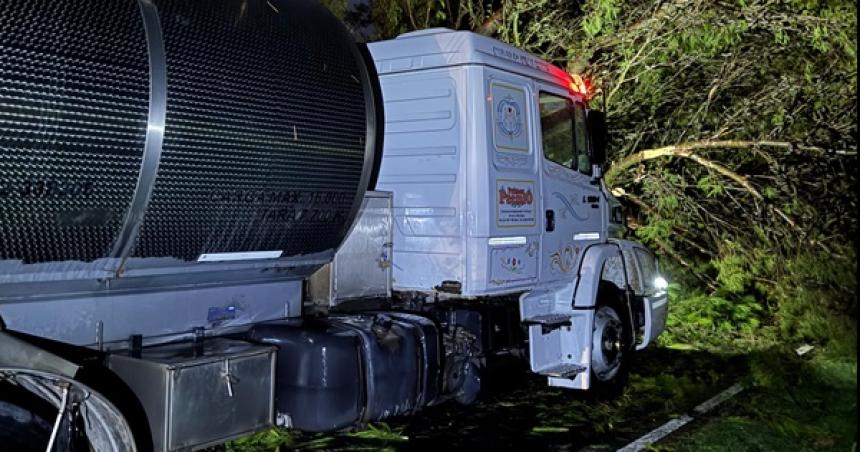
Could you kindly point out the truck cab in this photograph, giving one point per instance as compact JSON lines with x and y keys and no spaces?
{"x":497,"y":191}
{"x":487,"y":154}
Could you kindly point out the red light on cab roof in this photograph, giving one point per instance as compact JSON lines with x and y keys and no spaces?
{"x":580,"y":85}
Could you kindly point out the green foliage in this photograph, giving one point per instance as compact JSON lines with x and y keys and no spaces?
{"x":753,"y":70}
{"x":658,"y":230}
{"x":817,"y":301}
{"x":382,"y":432}
{"x":709,"y":186}
{"x":389,"y":18}
{"x":719,"y":321}
{"x":732,"y":273}
{"x":813,"y":301}
{"x":789,"y":404}
{"x":338,"y":7}
{"x":378,"y":436}
{"x":600,"y":17}
{"x":272,"y":440}
{"x":707,"y":40}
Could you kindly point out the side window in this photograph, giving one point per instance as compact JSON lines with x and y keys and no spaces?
{"x":583,"y":162}
{"x":556,"y":124}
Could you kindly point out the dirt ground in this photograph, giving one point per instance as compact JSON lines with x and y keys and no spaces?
{"x":519,"y":412}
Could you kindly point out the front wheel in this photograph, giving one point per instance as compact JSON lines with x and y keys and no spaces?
{"x":611,"y":352}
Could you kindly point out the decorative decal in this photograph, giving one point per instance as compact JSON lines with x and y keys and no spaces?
{"x":510,"y":117}
{"x":568,"y":207}
{"x":515,"y":203}
{"x":510,"y":125}
{"x":508,"y":160}
{"x":512,"y":264}
{"x":563,"y":259}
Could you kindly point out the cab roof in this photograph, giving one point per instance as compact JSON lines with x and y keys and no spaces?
{"x":443,"y":47}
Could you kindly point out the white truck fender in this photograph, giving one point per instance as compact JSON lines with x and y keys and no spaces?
{"x":590,"y":272}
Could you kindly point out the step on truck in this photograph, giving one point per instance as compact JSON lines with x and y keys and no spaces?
{"x":217,"y":217}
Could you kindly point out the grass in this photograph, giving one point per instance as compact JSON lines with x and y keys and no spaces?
{"x":373,"y":437}
{"x":524,"y":414}
{"x":793,"y":404}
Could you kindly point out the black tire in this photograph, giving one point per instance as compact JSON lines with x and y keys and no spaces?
{"x":612,"y":347}
{"x":25,"y":420}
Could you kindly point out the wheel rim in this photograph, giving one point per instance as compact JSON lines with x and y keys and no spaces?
{"x":606,"y":350}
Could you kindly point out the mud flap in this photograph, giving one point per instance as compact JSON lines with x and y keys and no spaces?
{"x":656,"y":311}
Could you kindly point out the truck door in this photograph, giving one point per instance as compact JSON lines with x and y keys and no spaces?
{"x":514,"y":182}
{"x":572,"y":213}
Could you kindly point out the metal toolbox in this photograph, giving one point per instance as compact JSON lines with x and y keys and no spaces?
{"x":362,"y":266}
{"x":198,"y":396}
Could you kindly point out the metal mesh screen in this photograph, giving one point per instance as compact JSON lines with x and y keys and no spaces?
{"x":265,"y":138}
{"x":74,"y":97}
{"x":264,"y":142}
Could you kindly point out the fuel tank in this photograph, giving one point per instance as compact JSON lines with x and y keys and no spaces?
{"x":338,"y":371}
{"x":147,"y":137}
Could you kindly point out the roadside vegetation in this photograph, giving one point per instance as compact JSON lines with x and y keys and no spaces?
{"x":734,"y":128}
{"x":791,"y":404}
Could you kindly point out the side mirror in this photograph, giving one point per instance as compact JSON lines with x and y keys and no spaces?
{"x":599,"y":135}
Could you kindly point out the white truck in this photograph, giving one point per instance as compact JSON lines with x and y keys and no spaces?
{"x":207,"y":228}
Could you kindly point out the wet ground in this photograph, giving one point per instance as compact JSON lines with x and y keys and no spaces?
{"x":521,"y":413}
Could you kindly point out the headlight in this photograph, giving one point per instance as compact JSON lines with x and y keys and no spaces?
{"x":660,"y":283}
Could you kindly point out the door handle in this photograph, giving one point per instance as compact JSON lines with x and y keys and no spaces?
{"x":550,"y":220}
{"x":590,"y":199}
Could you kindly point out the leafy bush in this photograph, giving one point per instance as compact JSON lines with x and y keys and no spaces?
{"x":816,"y":300}
{"x":718,"y":320}
{"x":757,"y":302}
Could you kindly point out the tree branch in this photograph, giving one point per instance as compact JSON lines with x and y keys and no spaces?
{"x":679,"y":150}
{"x":488,"y":27}
{"x":687,"y":150}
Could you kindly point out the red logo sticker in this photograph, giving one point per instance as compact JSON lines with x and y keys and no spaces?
{"x":515,"y":196}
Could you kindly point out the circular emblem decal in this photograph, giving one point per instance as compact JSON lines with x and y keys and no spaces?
{"x":509,"y":117}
